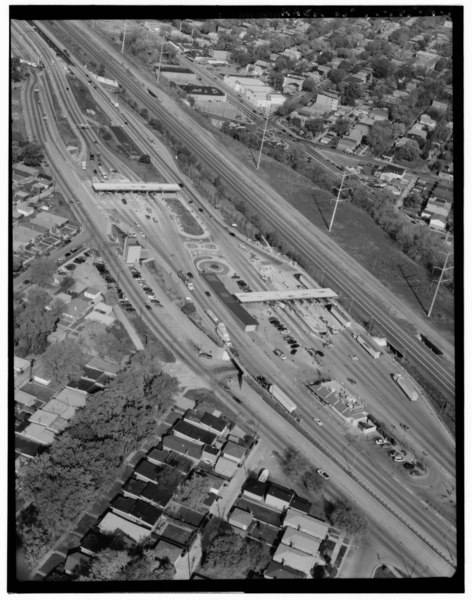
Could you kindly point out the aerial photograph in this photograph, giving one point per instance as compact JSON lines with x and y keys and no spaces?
{"x":234,"y":334}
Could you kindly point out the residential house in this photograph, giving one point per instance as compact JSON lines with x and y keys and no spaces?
{"x":300,"y":504}
{"x":20,"y":364}
{"x":214,"y":424}
{"x":219,"y":54}
{"x":93,"y":294}
{"x":76,"y":309}
{"x":234,"y":452}
{"x":210,"y":454}
{"x":417,"y":132}
{"x":278,"y":497}
{"x":226,"y":467}
{"x":193,"y":433}
{"x":391,"y":172}
{"x":23,"y":237}
{"x":379,"y":114}
{"x":326,"y":102}
{"x":189,"y":448}
{"x":294,"y":558}
{"x":441,"y":107}
{"x":240,"y":518}
{"x":113,"y":523}
{"x":38,"y":433}
{"x":171,"y":552}
{"x":426,"y":60}
{"x":311,"y":525}
{"x":50,"y":221}
{"x":276,"y":570}
{"x":301,"y":541}
{"x":347,"y":144}
{"x":426,"y":120}
{"x":254,"y":489}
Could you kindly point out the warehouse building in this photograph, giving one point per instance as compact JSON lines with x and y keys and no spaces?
{"x":245,"y":320}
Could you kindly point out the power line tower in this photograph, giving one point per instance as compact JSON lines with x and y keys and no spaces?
{"x":160,"y":59}
{"x":124,"y":36}
{"x":337,"y":200}
{"x":440,"y":280}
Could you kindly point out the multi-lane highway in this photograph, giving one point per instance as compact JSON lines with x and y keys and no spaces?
{"x":439,"y":531}
{"x":342,"y":272}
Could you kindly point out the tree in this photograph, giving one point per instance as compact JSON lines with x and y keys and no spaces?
{"x":409,"y":152}
{"x":149,"y":567}
{"x":145,"y":158}
{"x":33,"y":155}
{"x":351,"y":93}
{"x":276,"y":80}
{"x":308,"y":84}
{"x":42,"y":270}
{"x":33,"y":323}
{"x":380,"y":136}
{"x":292,"y":462}
{"x":194,"y":491}
{"x":108,"y":565}
{"x":341,"y":126}
{"x":63,"y":360}
{"x":337,"y":75}
{"x":313,"y":481}
{"x":316,"y":126}
{"x":382,"y":67}
{"x":346,"y":518}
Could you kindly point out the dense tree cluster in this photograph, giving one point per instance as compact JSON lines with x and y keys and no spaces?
{"x":86,"y":458}
{"x":33,"y":323}
{"x":345,"y":517}
{"x":63,"y":361}
{"x":23,"y":151}
{"x":42,"y":270}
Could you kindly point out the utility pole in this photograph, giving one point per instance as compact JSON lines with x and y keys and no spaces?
{"x":160,"y":60}
{"x":124,"y":36}
{"x":337,"y":200}
{"x":262,"y":142}
{"x":440,"y":280}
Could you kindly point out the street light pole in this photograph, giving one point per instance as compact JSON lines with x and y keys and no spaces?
{"x":124,"y":36}
{"x":160,"y":59}
{"x":337,"y":200}
{"x":262,"y":142}
{"x":440,"y":280}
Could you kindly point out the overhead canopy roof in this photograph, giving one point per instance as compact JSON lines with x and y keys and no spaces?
{"x":272,"y":296}
{"x":127,"y":186}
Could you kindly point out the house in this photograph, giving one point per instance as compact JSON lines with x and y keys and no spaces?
{"x":254,"y":489}
{"x":20,"y":364}
{"x":300,"y":504}
{"x":24,"y":209}
{"x":426,"y":60}
{"x":24,"y":398}
{"x":426,"y":120}
{"x":76,"y":289}
{"x":438,"y":208}
{"x":210,"y":454}
{"x":23,"y":237}
{"x":76,"y":308}
{"x":234,"y":452}
{"x":379,"y":114}
{"x":193,"y":433}
{"x":72,"y":397}
{"x":215,"y":483}
{"x":185,"y":403}
{"x":49,"y":220}
{"x":391,"y":172}
{"x":301,"y":541}
{"x":133,"y":488}
{"x":55,"y":406}
{"x":240,"y":518}
{"x":311,"y":525}
{"x":219,"y":54}
{"x":38,"y":433}
{"x":278,"y":497}
{"x":326,"y":102}
{"x":182,"y":446}
{"x":207,"y":421}
{"x":74,"y":561}
{"x":275,"y":570}
{"x":225,"y":466}
{"x":146,"y":471}
{"x":171,"y":552}
{"x":112,"y":523}
{"x":437,"y":222}
{"x":294,"y":558}
{"x":347,"y":144}
{"x":93,"y":294}
{"x":441,"y":107}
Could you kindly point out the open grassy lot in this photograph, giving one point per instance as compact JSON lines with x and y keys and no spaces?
{"x":186,"y":219}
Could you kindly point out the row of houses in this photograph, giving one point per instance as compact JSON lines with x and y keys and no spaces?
{"x":42,"y":224}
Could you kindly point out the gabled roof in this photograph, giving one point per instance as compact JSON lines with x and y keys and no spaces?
{"x":255,"y":487}
{"x":165,"y":549}
{"x":275,"y":570}
{"x":306,"y":523}
{"x":234,"y":450}
{"x":277,"y":491}
{"x":194,"y":432}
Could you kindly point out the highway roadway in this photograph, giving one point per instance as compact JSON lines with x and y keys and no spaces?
{"x":410,"y":507}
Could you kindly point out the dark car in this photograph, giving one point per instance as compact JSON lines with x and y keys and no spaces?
{"x":405,"y":427}
{"x":408,"y":466}
{"x":207,"y":294}
{"x":124,"y":201}
{"x":148,"y":306}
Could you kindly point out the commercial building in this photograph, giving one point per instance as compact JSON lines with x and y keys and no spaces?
{"x":245,"y":320}
{"x":179,"y":75}
{"x":281,"y":296}
{"x":326,"y":102}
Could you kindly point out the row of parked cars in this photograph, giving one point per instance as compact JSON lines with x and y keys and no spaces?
{"x":394,"y":454}
{"x":72,"y":265}
{"x":291,"y":341}
{"x":136,"y":274}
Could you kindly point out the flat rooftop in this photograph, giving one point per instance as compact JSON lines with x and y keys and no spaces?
{"x":286,"y":295}
{"x":127,"y":186}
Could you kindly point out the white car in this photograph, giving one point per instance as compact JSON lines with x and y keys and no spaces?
{"x":380,"y":441}
{"x":263,"y":475}
{"x":323,"y":474}
{"x":280,"y":354}
{"x":317,"y":421}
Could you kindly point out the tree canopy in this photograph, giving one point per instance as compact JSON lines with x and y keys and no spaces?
{"x":42,"y":270}
{"x":63,"y":361}
{"x":194,"y":491}
{"x":33,"y":323}
{"x":380,"y":136}
{"x":346,"y":518}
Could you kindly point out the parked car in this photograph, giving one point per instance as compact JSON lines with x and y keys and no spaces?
{"x":405,"y":427}
{"x":280,"y":354}
{"x":317,"y":421}
{"x":263,"y":475}
{"x":148,"y":306}
{"x":323,"y":474}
